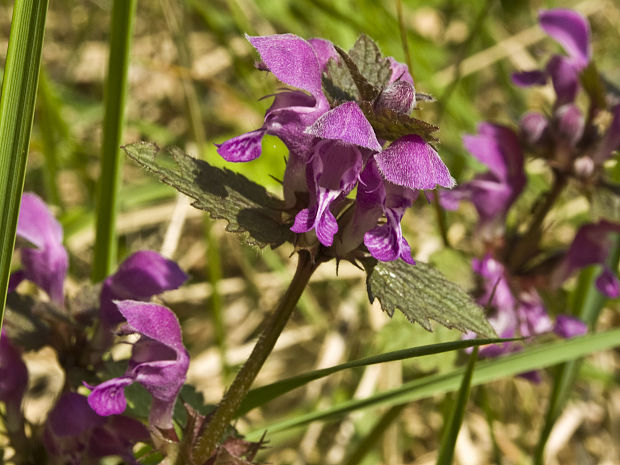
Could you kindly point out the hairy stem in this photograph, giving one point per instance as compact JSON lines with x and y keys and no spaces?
{"x":225,"y":412}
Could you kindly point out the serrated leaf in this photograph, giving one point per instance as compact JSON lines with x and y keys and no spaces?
{"x":247,"y":207}
{"x":338,"y":85}
{"x":361,"y":75}
{"x":366,"y":90}
{"x":422,"y":294}
{"x":370,"y":62}
{"x":391,"y":125}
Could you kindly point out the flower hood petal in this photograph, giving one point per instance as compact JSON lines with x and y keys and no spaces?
{"x":571,"y":30}
{"x":292,"y":60}
{"x":346,"y":123}
{"x":411,"y":162}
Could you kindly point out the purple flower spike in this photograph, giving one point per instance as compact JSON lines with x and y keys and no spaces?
{"x":590,"y":247}
{"x":159,"y":362}
{"x":141,"y":276}
{"x":571,"y":30}
{"x":411,"y":162}
{"x":346,"y":123}
{"x":569,"y":326}
{"x":46,"y":265}
{"x":493,"y":192}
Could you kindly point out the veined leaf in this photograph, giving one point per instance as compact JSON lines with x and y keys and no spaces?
{"x":247,"y":207}
{"x":422,"y":294}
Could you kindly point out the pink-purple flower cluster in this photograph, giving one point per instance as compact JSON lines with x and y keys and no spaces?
{"x":575,"y":150}
{"x":333,"y":149}
{"x":80,"y":429}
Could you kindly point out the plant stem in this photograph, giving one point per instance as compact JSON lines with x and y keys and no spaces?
{"x":528,"y":242}
{"x":123,"y":13}
{"x":227,"y":408}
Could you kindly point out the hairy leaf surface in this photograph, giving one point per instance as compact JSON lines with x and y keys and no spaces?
{"x":247,"y":207}
{"x":422,"y":294}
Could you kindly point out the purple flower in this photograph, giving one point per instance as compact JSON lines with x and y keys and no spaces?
{"x":569,"y":326}
{"x":572,"y":31}
{"x":141,"y":276}
{"x":75,"y":434}
{"x":591,"y":246}
{"x":13,"y":376}
{"x":159,"y":362}
{"x":493,"y":192}
{"x":514,"y":311}
{"x":329,"y":149}
{"x":46,"y":264}
{"x":296,"y":63}
{"x":376,"y":198}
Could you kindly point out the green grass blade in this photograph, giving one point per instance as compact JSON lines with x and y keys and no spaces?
{"x":369,"y":441}
{"x":454,"y":419}
{"x":262,"y":395}
{"x":19,"y":90}
{"x":123,"y":12}
{"x":587,"y":304}
{"x":533,"y":358}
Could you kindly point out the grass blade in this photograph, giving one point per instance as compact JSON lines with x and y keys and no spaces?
{"x":587,"y":304}
{"x":533,"y":358}
{"x":19,"y":90}
{"x":455,"y":417}
{"x":262,"y":395}
{"x":123,"y":12}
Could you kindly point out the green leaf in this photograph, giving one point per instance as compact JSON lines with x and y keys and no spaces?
{"x":422,"y":293}
{"x":593,"y":85}
{"x":262,"y":395}
{"x":456,"y":414}
{"x":390,"y":125}
{"x":19,"y":90}
{"x":532,"y":358}
{"x":361,"y":75}
{"x":372,"y":65}
{"x":246,"y":206}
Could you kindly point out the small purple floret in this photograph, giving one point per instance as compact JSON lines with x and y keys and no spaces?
{"x":46,"y":265}
{"x":159,"y":362}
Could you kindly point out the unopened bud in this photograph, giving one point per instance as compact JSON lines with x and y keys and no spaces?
{"x":398,"y":96}
{"x":583,"y":167}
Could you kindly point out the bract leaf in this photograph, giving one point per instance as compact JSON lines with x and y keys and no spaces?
{"x":422,"y":294}
{"x":391,"y":125}
{"x":360,"y":75}
{"x":247,"y":207}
